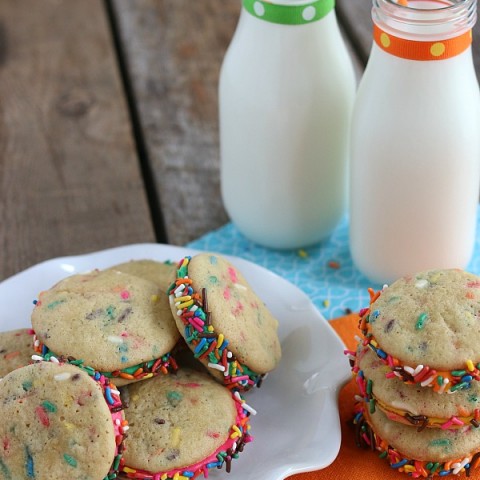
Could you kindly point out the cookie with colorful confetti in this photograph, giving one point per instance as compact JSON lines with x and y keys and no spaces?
{"x":424,"y":327}
{"x":159,"y":273}
{"x":16,"y":349}
{"x":410,"y":404}
{"x":182,"y":426}
{"x":428,"y":453}
{"x":118,"y":324}
{"x":223,"y":321}
{"x":59,"y":422}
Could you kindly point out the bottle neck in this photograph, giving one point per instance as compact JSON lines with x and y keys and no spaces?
{"x":293,"y":12}
{"x":424,"y":30}
{"x":425,"y":20}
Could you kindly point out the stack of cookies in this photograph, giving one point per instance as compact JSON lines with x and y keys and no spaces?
{"x":123,"y":327}
{"x":417,"y":370}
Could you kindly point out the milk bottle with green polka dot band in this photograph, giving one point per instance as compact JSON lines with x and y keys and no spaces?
{"x":286,"y":95}
{"x":415,"y":142}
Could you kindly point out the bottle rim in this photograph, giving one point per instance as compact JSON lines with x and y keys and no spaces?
{"x":430,"y":19}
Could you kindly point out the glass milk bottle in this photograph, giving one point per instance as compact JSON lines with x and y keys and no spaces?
{"x":286,"y":95}
{"x":415,"y":145}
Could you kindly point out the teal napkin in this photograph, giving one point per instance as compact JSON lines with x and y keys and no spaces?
{"x":325,"y":272}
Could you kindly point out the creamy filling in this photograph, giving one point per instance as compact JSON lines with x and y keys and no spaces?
{"x":403,"y":416}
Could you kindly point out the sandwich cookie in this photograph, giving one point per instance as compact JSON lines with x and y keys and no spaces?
{"x":115,"y":323}
{"x":428,"y":453}
{"x":223,"y":321}
{"x":425,"y":329}
{"x":182,"y":426}
{"x":410,"y":404}
{"x":59,"y":422}
{"x":16,"y":349}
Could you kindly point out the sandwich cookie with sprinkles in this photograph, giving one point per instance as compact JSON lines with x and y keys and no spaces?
{"x":112,"y":322}
{"x":225,"y":324}
{"x":16,"y":349}
{"x":424,"y":327}
{"x":58,"y":421}
{"x":183,"y":426}
{"x":428,"y":453}
{"x":412,"y":405}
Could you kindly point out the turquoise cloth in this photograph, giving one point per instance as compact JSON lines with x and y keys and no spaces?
{"x":334,"y":291}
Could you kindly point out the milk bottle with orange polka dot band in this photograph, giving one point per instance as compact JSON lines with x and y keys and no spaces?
{"x":415,"y":144}
{"x":286,"y":95}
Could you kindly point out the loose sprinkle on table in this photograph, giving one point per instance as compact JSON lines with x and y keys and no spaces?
{"x":334,"y":264}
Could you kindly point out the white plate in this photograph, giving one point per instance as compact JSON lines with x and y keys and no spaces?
{"x":297,"y":427}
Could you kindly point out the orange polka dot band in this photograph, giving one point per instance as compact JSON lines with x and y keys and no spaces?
{"x":415,"y":50}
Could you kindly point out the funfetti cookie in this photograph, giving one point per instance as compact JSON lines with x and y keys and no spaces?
{"x":223,"y":321}
{"x":182,"y":425}
{"x":118,"y":324}
{"x":159,"y":273}
{"x":59,"y":422}
{"x":411,"y":404}
{"x":431,"y":452}
{"x":425,"y":328}
{"x":16,"y":349}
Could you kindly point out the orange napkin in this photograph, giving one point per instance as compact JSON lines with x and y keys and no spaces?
{"x":355,"y":463}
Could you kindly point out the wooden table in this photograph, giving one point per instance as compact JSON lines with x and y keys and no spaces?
{"x":108,"y":121}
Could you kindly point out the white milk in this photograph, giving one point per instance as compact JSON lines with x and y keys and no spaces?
{"x":415,"y":168}
{"x":286,"y":95}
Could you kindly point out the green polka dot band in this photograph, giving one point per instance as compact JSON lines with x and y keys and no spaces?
{"x":289,"y":14}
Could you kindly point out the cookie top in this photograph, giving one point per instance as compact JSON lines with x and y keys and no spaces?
{"x":55,"y":423}
{"x":110,"y":320}
{"x":159,"y":273}
{"x":430,"y":318}
{"x":16,"y":349}
{"x":414,"y":405}
{"x":179,"y":421}
{"x":230,"y":315}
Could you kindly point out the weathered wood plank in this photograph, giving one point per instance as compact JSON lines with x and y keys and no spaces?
{"x":69,"y":175}
{"x":356,"y":19}
{"x":174,"y":50}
